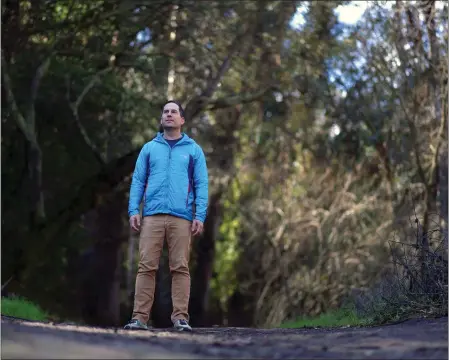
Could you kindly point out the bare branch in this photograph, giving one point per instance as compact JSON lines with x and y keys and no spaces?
{"x":74,"y":106}
{"x":408,"y":118}
{"x":40,"y":73}
{"x":17,"y":115}
{"x":7,"y":282}
{"x":27,"y":126}
{"x":198,"y":103}
{"x":226,"y":102}
{"x":224,"y":67}
{"x":440,"y":140}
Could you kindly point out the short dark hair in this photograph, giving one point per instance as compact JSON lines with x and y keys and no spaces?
{"x":181,"y":109}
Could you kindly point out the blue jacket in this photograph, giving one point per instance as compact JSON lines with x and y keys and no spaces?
{"x":170,"y":179}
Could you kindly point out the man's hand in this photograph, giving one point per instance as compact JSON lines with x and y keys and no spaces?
{"x":197,"y":227}
{"x":134,"y":221}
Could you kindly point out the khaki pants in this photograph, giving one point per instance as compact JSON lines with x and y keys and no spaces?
{"x":154,"y":229}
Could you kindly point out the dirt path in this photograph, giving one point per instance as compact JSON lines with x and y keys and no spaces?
{"x":413,"y":339}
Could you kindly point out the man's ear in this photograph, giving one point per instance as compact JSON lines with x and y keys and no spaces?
{"x":183,"y":121}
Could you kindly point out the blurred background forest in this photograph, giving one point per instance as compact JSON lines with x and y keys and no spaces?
{"x":325,"y":140}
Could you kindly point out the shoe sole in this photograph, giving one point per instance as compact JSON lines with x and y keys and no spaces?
{"x":135,"y":328}
{"x":183,"y":329}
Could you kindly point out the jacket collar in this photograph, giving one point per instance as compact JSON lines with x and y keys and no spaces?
{"x":185,"y":139}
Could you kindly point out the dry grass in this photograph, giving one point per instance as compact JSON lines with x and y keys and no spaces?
{"x":309,"y":244}
{"x":417,"y":284}
{"x":310,"y":241}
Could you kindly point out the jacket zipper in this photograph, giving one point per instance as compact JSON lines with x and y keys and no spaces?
{"x":170,"y":148}
{"x":168,"y":174}
{"x":168,"y":168}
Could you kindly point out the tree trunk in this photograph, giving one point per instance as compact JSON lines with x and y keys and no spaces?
{"x":205,"y":256}
{"x":36,"y":195}
{"x":101,"y":285}
{"x":163,"y":306}
{"x":443,"y":193}
{"x":431,"y":195}
{"x":130,"y":273}
{"x":239,"y":314}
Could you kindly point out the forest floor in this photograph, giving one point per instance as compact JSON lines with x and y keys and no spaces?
{"x":412,"y":339}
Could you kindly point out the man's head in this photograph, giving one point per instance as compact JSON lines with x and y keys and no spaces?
{"x":172,"y":116}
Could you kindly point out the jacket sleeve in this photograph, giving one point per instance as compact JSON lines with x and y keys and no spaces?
{"x":201,"y":185}
{"x":139,"y":180}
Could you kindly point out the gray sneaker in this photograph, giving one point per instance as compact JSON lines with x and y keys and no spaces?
{"x":182,"y":325}
{"x":135,"y":324}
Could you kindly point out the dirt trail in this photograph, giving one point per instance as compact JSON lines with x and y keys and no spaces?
{"x":413,"y":339}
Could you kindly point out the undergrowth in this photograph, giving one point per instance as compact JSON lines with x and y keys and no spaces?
{"x":416,"y":285}
{"x":22,"y":308}
{"x":346,"y":316}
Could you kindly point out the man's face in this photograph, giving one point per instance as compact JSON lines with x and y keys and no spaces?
{"x":171,"y":118}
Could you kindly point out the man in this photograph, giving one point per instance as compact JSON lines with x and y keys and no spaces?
{"x":171,"y":176}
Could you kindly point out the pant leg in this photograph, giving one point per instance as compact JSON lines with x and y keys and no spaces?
{"x":178,"y":240}
{"x":151,"y":241}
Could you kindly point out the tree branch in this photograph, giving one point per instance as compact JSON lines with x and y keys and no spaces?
{"x":17,"y":115}
{"x":40,"y":73}
{"x":74,"y":106}
{"x":410,"y":121}
{"x":102,"y":184}
{"x":440,"y":139}
{"x":229,"y":101}
{"x":224,"y":67}
{"x":198,"y":103}
{"x":27,"y":126}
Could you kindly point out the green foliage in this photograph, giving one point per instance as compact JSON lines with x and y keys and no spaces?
{"x":23,"y":308}
{"x":227,"y":251}
{"x":343,"y":317}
